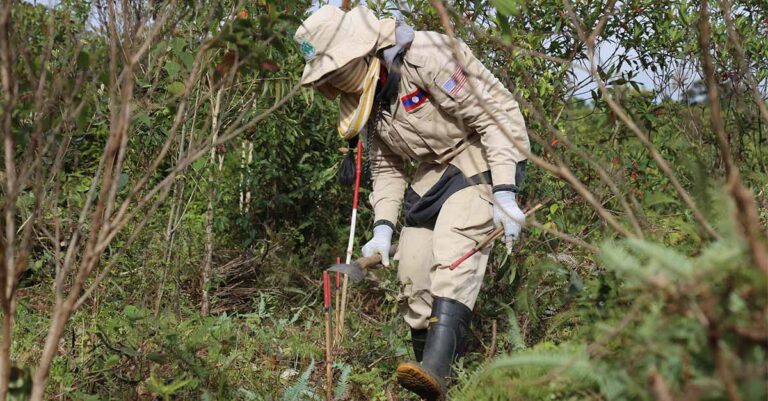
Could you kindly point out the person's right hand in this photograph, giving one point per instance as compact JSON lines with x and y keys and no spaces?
{"x":380,"y":243}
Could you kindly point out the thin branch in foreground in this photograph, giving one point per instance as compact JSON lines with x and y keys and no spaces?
{"x":560,"y":170}
{"x":741,"y":58}
{"x":630,"y":123}
{"x":746,"y":207}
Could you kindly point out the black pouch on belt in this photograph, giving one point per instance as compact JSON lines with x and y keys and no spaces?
{"x":422,"y":210}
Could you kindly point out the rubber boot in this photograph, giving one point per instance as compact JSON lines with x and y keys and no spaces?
{"x":449,"y":325}
{"x":418,"y":340}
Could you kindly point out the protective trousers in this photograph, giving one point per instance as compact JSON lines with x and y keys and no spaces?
{"x":424,"y":254}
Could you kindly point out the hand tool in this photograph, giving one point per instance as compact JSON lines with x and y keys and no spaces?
{"x":489,"y":239}
{"x":336,"y":315}
{"x":480,"y":245}
{"x":328,"y":356}
{"x":357,"y":269}
{"x":350,"y":243}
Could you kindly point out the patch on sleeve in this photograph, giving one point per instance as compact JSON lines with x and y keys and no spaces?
{"x":414,"y":100}
{"x":455,"y":82}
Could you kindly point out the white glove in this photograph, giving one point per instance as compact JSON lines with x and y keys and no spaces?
{"x":380,"y":243}
{"x":507,"y":213}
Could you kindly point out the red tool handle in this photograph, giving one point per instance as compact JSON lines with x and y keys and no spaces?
{"x":326,"y":290}
{"x":487,"y":240}
{"x":359,"y":165}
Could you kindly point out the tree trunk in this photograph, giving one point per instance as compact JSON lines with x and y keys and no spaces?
{"x":5,"y":360}
{"x":205,"y":302}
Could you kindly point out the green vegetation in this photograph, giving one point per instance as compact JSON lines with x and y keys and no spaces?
{"x":169,"y":201}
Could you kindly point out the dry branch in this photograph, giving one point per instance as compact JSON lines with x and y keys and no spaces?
{"x":106,"y":210}
{"x":628,"y":121}
{"x":559,"y":170}
{"x":746,"y":207}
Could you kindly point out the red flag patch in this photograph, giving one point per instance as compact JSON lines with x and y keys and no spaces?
{"x":414,"y":100}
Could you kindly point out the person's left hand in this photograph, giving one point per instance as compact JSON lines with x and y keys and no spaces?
{"x":508,"y":213}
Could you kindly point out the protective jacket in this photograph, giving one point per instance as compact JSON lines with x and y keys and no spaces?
{"x":444,"y":116}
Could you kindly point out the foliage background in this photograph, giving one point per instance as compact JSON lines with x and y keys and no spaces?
{"x":673,"y":314}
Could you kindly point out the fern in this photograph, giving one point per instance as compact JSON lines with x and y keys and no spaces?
{"x":341,"y":386}
{"x":663,"y":258}
{"x":542,"y":373}
{"x":574,"y":365}
{"x":515,"y":334}
{"x":249,"y":395}
{"x":301,"y":387}
{"x":615,"y":257}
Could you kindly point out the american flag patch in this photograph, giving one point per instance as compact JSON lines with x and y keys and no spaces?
{"x":414,"y":100}
{"x":455,"y":82}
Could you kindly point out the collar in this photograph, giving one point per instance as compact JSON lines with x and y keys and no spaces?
{"x":415,"y":59}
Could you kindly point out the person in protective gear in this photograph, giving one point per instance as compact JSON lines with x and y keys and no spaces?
{"x":463,"y":131}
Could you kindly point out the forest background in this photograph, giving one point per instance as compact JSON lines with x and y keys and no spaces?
{"x":169,"y":200}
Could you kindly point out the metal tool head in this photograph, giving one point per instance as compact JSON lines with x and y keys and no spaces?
{"x":357,"y":269}
{"x":353,"y":270}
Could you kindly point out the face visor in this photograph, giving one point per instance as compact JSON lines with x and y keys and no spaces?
{"x":349,"y":79}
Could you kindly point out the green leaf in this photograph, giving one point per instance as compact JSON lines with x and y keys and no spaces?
{"x":188,"y":59}
{"x":553,"y":208}
{"x":506,"y":7}
{"x":620,"y":81}
{"x":83,"y":59}
{"x":177,"y":46}
{"x":199,"y":164}
{"x":296,"y":391}
{"x":142,"y":118}
{"x":668,"y":258}
{"x":122,"y":181}
{"x":131,"y":312}
{"x":657,"y":198}
{"x":341,"y":383}
{"x":176,"y":88}
{"x":503,"y":23}
{"x":618,"y":259}
{"x":172,"y":68}
{"x":515,"y":334}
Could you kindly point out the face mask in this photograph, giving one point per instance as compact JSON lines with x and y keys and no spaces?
{"x":351,"y":77}
{"x":327,"y":90}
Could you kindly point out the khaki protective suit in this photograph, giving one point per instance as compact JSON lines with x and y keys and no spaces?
{"x":439,"y":120}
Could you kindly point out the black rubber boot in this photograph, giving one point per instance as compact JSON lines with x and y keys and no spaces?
{"x":449,"y":325}
{"x":418,"y":340}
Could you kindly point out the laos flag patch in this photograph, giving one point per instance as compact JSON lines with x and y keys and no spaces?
{"x":414,"y":100}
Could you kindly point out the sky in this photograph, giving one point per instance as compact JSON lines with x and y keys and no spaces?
{"x":605,"y":49}
{"x":581,"y":72}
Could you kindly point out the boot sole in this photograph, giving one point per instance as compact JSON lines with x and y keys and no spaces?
{"x":416,"y":379}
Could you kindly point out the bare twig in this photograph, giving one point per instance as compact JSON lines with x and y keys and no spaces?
{"x":492,"y":348}
{"x":563,"y":236}
{"x":560,"y":170}
{"x":660,"y":387}
{"x":215,"y":101}
{"x":741,"y":58}
{"x":604,"y":176}
{"x":8,"y":237}
{"x":746,"y":207}
{"x":624,"y":117}
{"x":103,"y":224}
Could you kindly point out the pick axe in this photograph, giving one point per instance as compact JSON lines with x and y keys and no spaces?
{"x":356,"y":270}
